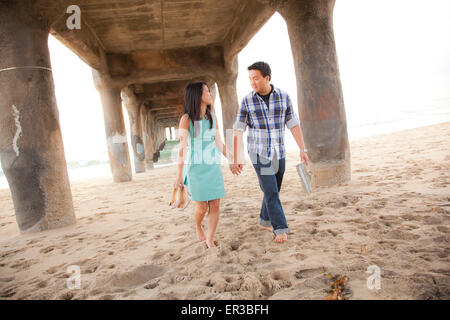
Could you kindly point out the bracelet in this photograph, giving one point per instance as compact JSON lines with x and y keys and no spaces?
{"x":305,"y":150}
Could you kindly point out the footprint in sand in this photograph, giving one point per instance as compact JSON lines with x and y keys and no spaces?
{"x":178,"y":240}
{"x":54,"y":269}
{"x":435,"y":219}
{"x":47,"y":250}
{"x":299,"y":256}
{"x":443,"y":229}
{"x":334,"y":233}
{"x":42,"y":284}
{"x":401,"y":235}
{"x":66,"y":296}
{"x":136,"y":277}
{"x":317,"y":213}
{"x":151,"y":285}
{"x":6,"y":279}
{"x":309,"y":273}
{"x":11,"y":253}
{"x":22,"y":264}
{"x":8,"y":292}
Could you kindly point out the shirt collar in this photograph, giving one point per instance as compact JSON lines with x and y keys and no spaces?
{"x":273,"y":90}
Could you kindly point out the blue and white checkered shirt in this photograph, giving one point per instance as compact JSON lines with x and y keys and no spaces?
{"x":266,"y":125}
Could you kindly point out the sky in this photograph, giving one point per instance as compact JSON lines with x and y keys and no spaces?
{"x":393,"y":59}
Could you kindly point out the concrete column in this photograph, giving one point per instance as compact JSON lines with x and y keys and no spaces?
{"x":228,"y":98}
{"x":212,"y":90}
{"x":116,"y":138}
{"x":154,"y":136}
{"x":148,"y":140}
{"x":163,"y":138}
{"x":133,"y":106}
{"x":320,"y":99}
{"x":162,"y":135}
{"x":31,"y":145}
{"x":213,"y":94}
{"x":157,"y":141}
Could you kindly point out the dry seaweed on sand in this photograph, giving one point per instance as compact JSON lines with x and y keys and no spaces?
{"x":339,"y":289}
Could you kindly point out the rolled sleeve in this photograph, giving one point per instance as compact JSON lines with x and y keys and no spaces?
{"x":239,"y":126}
{"x":241,"y":118}
{"x":291,"y":117}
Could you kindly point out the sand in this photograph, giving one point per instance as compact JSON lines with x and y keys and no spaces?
{"x":128,"y":244}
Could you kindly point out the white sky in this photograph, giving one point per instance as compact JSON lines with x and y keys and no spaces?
{"x":393,"y":57}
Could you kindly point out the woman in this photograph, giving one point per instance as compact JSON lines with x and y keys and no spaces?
{"x":199,"y":132}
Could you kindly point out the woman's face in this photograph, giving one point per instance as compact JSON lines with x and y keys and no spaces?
{"x":206,"y":97}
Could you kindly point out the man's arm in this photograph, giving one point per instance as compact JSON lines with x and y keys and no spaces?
{"x":298,"y":136}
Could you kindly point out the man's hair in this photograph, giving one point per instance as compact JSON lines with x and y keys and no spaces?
{"x":263,"y":67}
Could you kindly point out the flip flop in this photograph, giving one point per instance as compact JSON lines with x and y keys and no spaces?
{"x":175,"y":198}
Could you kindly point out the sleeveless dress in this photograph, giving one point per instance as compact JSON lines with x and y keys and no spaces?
{"x":202,"y":173}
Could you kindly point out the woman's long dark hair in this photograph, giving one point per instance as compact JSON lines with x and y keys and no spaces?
{"x":193,"y":100}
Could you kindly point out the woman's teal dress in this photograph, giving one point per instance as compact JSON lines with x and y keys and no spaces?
{"x":202,"y":172}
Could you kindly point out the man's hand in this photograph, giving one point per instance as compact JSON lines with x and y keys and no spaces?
{"x":236,"y":169}
{"x":304,"y":157}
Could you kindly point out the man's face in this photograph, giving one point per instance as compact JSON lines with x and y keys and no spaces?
{"x":258,"y":82}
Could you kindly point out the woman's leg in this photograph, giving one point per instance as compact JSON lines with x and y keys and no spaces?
{"x":200,"y":210}
{"x":213,"y":220}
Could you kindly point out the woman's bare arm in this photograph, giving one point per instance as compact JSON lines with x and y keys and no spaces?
{"x":183,"y":133}
{"x":219,"y":143}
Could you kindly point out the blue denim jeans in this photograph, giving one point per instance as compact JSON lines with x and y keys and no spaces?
{"x":270,"y":176}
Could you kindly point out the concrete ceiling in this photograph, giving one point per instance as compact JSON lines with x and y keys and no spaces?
{"x":122,"y":25}
{"x":155,"y":46}
{"x":115,"y":34}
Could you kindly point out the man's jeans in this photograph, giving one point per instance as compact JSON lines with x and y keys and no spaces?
{"x":270,"y":176}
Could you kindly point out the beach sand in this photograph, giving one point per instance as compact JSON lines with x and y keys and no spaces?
{"x":128,"y":244}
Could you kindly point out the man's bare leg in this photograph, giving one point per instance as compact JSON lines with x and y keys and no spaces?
{"x":266,"y":228}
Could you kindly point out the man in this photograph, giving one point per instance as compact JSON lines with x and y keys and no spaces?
{"x":266,"y":111}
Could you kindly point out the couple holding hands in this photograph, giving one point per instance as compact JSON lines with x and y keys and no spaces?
{"x":266,"y":111}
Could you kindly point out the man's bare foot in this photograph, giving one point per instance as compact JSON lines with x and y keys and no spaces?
{"x":267,"y":228}
{"x":200,"y":234}
{"x":282,"y":237}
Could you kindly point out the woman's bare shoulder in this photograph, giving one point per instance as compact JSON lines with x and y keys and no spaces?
{"x":184,"y":121}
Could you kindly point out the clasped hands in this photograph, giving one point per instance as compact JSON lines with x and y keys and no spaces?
{"x":236,"y":168}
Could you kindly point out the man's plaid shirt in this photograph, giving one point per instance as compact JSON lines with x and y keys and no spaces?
{"x":266,"y":125}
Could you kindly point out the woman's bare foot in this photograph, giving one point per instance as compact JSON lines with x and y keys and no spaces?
{"x":267,"y":228}
{"x":282,"y":237}
{"x":200,"y":234}
{"x":210,"y":243}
